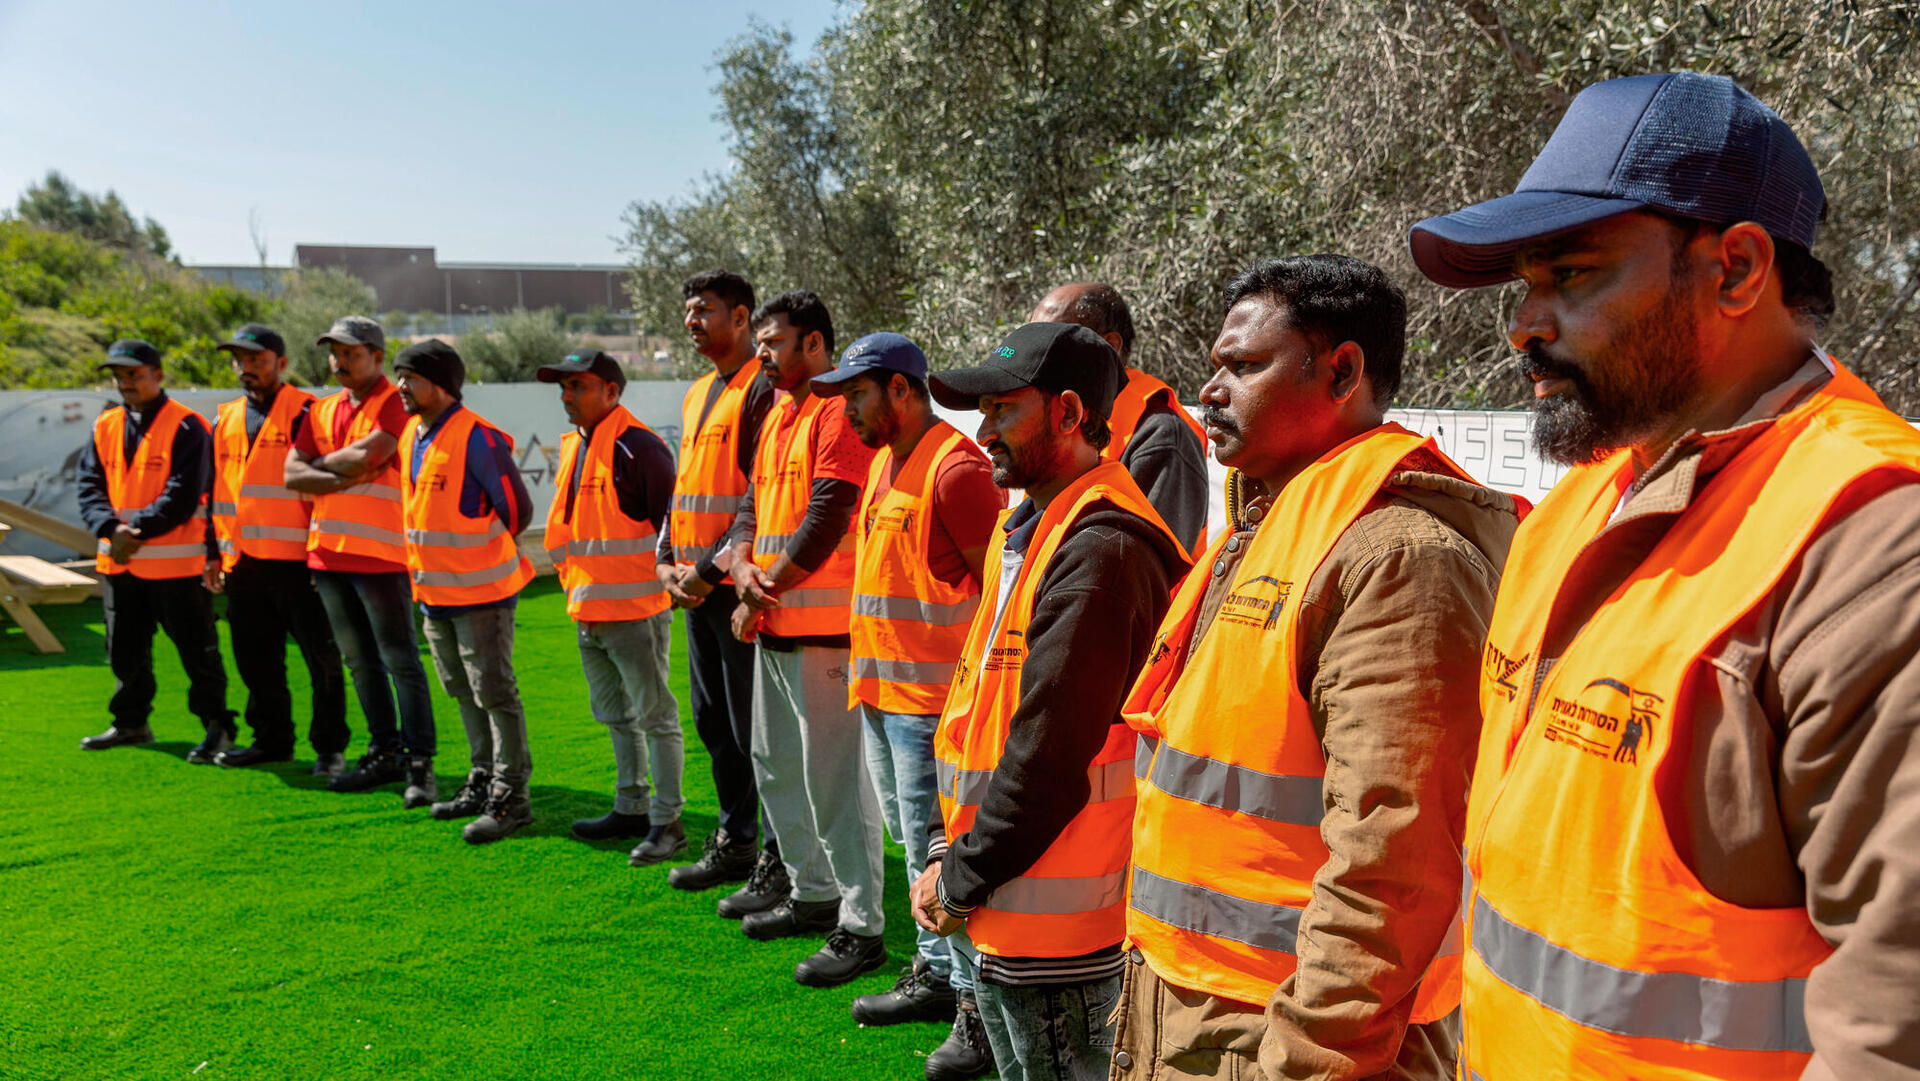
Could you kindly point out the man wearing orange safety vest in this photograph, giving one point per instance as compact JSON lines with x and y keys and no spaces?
{"x":719,"y":429}
{"x":345,"y":456}
{"x":1035,"y":764}
{"x":925,"y":519}
{"x":143,"y":481}
{"x":1154,"y":436}
{"x":610,"y":498}
{"x":260,"y":562}
{"x":1692,"y":842}
{"x":465,"y":503}
{"x":793,"y":565}
{"x":1308,"y":718}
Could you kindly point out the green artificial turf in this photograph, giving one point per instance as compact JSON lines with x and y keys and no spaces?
{"x":164,"y":920}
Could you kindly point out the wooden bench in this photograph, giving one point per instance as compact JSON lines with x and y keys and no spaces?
{"x":26,"y":581}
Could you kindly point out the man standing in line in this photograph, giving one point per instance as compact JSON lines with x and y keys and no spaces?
{"x":719,"y":428}
{"x":1035,"y":763}
{"x":260,"y":528}
{"x":1158,"y":441}
{"x":345,"y":457}
{"x":925,"y":519}
{"x":465,"y":502}
{"x":610,"y":499}
{"x":793,"y":561}
{"x":143,"y":482}
{"x":1691,"y":843}
{"x":1309,"y":716}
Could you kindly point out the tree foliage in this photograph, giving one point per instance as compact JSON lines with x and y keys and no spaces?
{"x":308,"y":304}
{"x":57,"y":204}
{"x":517,"y":344}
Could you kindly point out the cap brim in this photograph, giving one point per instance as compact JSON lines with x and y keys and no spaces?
{"x":553,"y":373}
{"x":963,"y":388}
{"x":242,"y":347}
{"x":1476,"y":246}
{"x":124,"y":362}
{"x":343,"y":340}
{"x":829,"y":384}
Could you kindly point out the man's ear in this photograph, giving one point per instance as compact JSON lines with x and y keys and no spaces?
{"x":1744,"y":253}
{"x":1073,"y":412}
{"x":1346,"y":368}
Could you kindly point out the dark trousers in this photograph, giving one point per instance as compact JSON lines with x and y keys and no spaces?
{"x":722,"y":677}
{"x":372,"y":618}
{"x":267,"y":600}
{"x":184,"y":609}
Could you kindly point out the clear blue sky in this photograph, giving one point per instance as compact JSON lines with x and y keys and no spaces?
{"x":489,"y":130}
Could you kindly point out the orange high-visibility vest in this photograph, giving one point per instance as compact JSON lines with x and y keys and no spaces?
{"x":908,"y":626}
{"x":605,"y":558}
{"x":1593,"y":950}
{"x":1072,"y":900}
{"x":455,"y":559}
{"x":782,"y":483}
{"x":708,"y":483}
{"x":134,"y":485}
{"x":254,"y":512}
{"x":1226,"y":838}
{"x":1139,"y":392}
{"x":363,"y":519}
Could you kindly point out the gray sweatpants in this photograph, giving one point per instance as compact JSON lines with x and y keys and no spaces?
{"x":809,"y":760}
{"x":626,"y":666}
{"x":473,"y":656}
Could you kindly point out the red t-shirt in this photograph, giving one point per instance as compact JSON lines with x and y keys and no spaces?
{"x":392,"y":420}
{"x":838,"y":454}
{"x":966,"y":504}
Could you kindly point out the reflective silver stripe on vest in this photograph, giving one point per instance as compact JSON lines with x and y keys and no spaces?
{"x":441,"y":539}
{"x":770,"y":544}
{"x":612,"y":546}
{"x":815,"y":598}
{"x":1273,"y":796}
{"x":224,"y":510}
{"x":372,"y":489}
{"x":915,"y":610}
{"x":613,"y":591}
{"x":468,"y":578}
{"x":294,"y":534}
{"x":1195,"y":908}
{"x":706,"y":504}
{"x":267,"y":491}
{"x":1143,"y":755}
{"x":169,"y":551}
{"x":1734,"y":1015}
{"x":1105,"y":781}
{"x":687,"y":553}
{"x":341,"y":527}
{"x":1058,"y":896}
{"x":227,"y":548}
{"x":894,"y":671}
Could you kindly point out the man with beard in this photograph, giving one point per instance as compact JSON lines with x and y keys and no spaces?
{"x":1691,"y":839}
{"x":143,"y":479}
{"x":719,"y":428}
{"x":465,"y":502}
{"x":1153,"y":435}
{"x":921,"y":535}
{"x":793,"y":563}
{"x":1309,"y":716}
{"x":260,"y":562}
{"x":1035,"y":764}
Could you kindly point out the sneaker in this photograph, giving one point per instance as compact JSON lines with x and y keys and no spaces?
{"x":469,"y":801}
{"x":422,"y":786}
{"x":789,"y":918}
{"x":329,"y":765}
{"x":612,"y":825}
{"x":965,"y":1055}
{"x":256,"y":755}
{"x":723,"y":860}
{"x":766,"y":887}
{"x":374,"y":769}
{"x":209,"y":750}
{"x":918,"y":995}
{"x":661,"y":843}
{"x":506,"y":811}
{"x":116,"y":736}
{"x":845,"y":956}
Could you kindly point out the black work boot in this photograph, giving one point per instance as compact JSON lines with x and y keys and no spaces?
{"x":374,"y":769}
{"x":469,"y":801}
{"x":724,"y":860}
{"x":966,"y":1054}
{"x":662,"y":841}
{"x":789,"y":918}
{"x":329,"y":764}
{"x":506,"y":811}
{"x":218,"y":742}
{"x":117,"y":736}
{"x":422,"y":786}
{"x":845,"y":956}
{"x":256,"y":755}
{"x":767,"y":886}
{"x":613,"y":824}
{"x":918,"y":995}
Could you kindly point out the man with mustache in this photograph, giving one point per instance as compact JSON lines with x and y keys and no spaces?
{"x":1691,"y":840}
{"x":344,"y":456}
{"x":260,"y":559}
{"x":1308,"y":717}
{"x":143,"y":481}
{"x":1035,"y":764}
{"x":1161,"y":445}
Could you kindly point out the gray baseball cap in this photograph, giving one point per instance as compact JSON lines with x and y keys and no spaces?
{"x":355,"y":330}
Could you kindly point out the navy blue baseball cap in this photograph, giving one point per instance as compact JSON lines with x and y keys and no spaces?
{"x":1696,"y":146}
{"x":875,"y":354}
{"x":131,"y":353}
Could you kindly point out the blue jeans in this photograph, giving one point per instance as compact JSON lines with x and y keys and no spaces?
{"x":372,"y":617}
{"x":900,"y":760}
{"x":1058,"y":1032}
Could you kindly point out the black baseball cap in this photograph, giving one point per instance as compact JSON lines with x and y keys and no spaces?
{"x":355,"y":330}
{"x":1051,"y":356}
{"x":1696,"y":146}
{"x":436,"y":361}
{"x":875,"y":353}
{"x":254,"y":338}
{"x":584,"y":360}
{"x":131,"y":353}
